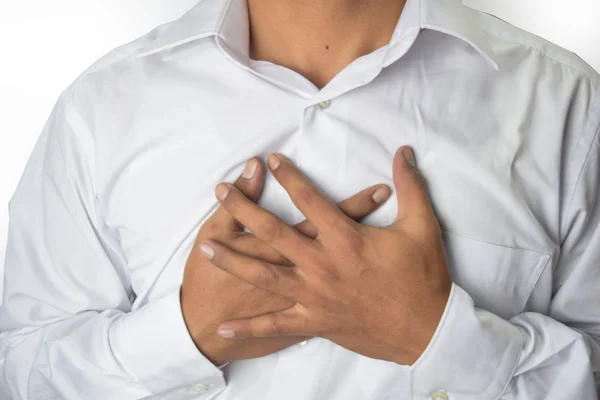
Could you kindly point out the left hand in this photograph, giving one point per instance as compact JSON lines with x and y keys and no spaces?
{"x":380,"y":292}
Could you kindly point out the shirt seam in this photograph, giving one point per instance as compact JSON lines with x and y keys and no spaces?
{"x":69,"y":101}
{"x":96,"y":212}
{"x":70,"y":169}
{"x":595,"y":129}
{"x":541,"y":51}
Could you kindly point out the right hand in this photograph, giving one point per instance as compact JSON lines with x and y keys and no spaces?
{"x":210,"y":296}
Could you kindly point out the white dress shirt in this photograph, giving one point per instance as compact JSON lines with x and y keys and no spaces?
{"x":505,"y":130}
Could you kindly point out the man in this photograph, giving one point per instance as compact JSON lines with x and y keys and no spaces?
{"x":136,"y":269}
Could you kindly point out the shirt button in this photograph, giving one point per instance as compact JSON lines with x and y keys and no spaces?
{"x":200,"y":388}
{"x":323,"y":105}
{"x":439,"y":395}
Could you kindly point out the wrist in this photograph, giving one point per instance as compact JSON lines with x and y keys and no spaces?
{"x":419,"y":339}
{"x":211,"y":346}
{"x":204,"y":337}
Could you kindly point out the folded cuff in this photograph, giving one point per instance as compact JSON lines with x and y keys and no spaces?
{"x":472,"y":355}
{"x":154,"y":345}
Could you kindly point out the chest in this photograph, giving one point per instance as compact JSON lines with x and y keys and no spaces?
{"x":495,"y":211}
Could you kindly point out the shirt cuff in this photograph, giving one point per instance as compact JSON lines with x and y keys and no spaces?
{"x":154,"y":345}
{"x":472,"y":355}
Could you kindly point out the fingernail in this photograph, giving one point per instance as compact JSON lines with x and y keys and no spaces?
{"x":226,"y":333}
{"x":207,"y":251}
{"x":408,"y":156}
{"x":222,"y":191}
{"x":381,"y":194}
{"x":250,"y":169}
{"x":274,"y":161}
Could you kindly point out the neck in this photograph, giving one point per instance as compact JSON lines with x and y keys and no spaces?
{"x":318,"y":38}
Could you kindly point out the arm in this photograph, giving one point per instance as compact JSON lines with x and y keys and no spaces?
{"x":66,"y":322}
{"x":477,"y":355}
{"x":450,"y":349}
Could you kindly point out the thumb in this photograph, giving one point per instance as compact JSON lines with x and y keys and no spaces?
{"x":411,"y":191}
{"x":250,"y":182}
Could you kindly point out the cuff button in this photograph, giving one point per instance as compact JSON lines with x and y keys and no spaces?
{"x":439,"y":395}
{"x":200,"y":388}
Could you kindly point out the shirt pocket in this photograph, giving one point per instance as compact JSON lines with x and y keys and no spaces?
{"x":499,"y":278}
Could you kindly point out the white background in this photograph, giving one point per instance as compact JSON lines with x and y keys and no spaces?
{"x":45,"y":45}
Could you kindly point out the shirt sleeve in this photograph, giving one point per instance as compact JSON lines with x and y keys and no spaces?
{"x":475,"y":354}
{"x":67,"y":329}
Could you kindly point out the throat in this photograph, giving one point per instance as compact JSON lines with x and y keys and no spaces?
{"x":319,"y":38}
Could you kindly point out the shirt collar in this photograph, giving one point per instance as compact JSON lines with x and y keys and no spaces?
{"x":228,"y":21}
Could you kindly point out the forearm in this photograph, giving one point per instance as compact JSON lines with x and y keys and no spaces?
{"x":108,"y":354}
{"x":68,"y":359}
{"x":478,"y":355}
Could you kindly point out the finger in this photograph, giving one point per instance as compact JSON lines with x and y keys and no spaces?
{"x":316,"y":207}
{"x":266,"y":226}
{"x":250,"y":183}
{"x":275,"y":278}
{"x":413,"y":198}
{"x":249,"y":244}
{"x":283,"y":323}
{"x":356,"y":207}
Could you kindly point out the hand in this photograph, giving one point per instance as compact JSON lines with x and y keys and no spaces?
{"x":379,"y":292}
{"x":210,"y":296}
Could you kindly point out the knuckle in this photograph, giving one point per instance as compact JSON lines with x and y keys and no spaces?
{"x":270,"y":229}
{"x":351,"y":240}
{"x":267,"y":277}
{"x":295,"y":283}
{"x":330,"y":275}
{"x":305,"y":194}
{"x":273,"y":327}
{"x":304,"y":243}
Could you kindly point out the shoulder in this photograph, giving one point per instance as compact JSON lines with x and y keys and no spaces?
{"x":108,"y":69}
{"x":128,"y":51}
{"x":512,"y":42}
{"x":556,"y":78}
{"x":549,"y":80}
